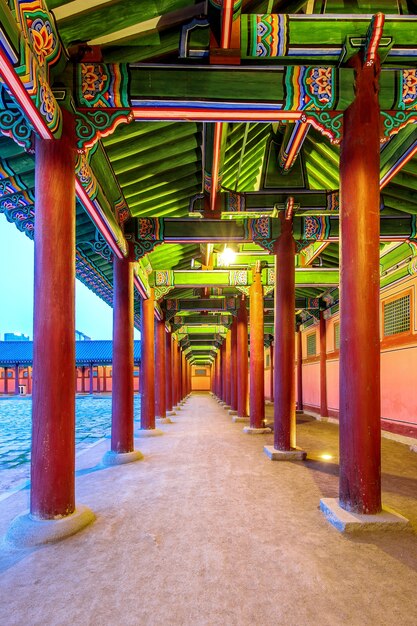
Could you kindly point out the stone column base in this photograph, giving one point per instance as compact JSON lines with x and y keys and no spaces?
{"x":296,"y":454}
{"x":237,"y":419}
{"x":248,"y":430}
{"x":232,"y":412}
{"x":171,"y":413}
{"x":227,"y":407}
{"x":150,"y":432}
{"x":120,"y":458}
{"x":163,"y":420}
{"x":347,"y":522}
{"x":26,"y":531}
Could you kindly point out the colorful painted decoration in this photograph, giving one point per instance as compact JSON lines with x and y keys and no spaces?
{"x":407,"y":97}
{"x":93,"y":125}
{"x":266,"y":35}
{"x":238,"y":278}
{"x":316,"y":228}
{"x":102,"y":85}
{"x":329,"y":124}
{"x":86,"y":175}
{"x":235,"y":202}
{"x":13,"y":122}
{"x":40,"y":52}
{"x":310,"y":88}
{"x":164,"y":278}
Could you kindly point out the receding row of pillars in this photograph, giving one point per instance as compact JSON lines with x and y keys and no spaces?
{"x":16,"y":377}
{"x":54,"y":379}
{"x":359,"y":387}
{"x":53,"y":435}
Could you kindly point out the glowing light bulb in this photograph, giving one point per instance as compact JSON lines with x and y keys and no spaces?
{"x":227,"y":257}
{"x":326,"y":457}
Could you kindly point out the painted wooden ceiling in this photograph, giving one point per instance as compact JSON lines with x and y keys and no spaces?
{"x":158,"y":166}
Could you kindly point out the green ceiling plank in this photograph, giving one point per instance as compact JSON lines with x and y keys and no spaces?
{"x":113,"y":17}
{"x":162,"y":168}
{"x":160,"y":154}
{"x":395,"y":256}
{"x":178,"y":210}
{"x":125,"y":132}
{"x":181,"y":183}
{"x":167,"y":177}
{"x":162,"y":43}
{"x":158,"y":205}
{"x":131,"y":146}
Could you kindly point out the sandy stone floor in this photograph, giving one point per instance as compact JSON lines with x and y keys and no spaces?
{"x":205,"y":530}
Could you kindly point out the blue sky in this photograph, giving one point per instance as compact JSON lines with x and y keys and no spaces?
{"x":93,"y":316}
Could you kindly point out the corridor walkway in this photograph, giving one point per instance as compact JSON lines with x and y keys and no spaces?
{"x":205,"y":530}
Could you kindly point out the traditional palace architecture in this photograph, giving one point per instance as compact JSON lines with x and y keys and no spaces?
{"x":93,"y":361}
{"x":231,"y":176}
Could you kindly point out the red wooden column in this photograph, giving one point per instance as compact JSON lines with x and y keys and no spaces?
{"x":54,"y":383}
{"x":91,"y":389}
{"x":160,"y":369}
{"x":168,"y":373}
{"x":284,"y":347}
{"x":323,"y":367}
{"x":147,"y":329}
{"x":271,"y":371}
{"x":183,"y":375}
{"x":16,"y":380}
{"x":189,"y":377}
{"x":177,"y":374}
{"x":227,"y":365}
{"x":6,"y":380}
{"x":29,"y":387}
{"x":233,"y":366}
{"x":104,"y":378}
{"x":222,"y":371}
{"x":242,"y":361}
{"x":122,"y":441}
{"x":300,"y":406}
{"x":83,"y":379}
{"x":215,"y":367}
{"x":256,"y":379}
{"x":359,"y":418}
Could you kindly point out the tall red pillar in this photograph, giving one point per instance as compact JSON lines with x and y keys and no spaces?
{"x":242,"y":360}
{"x":256,"y":379}
{"x":300,"y":406}
{"x":91,"y":387}
{"x":323,"y":366}
{"x":183,"y":375}
{"x":233,"y":366}
{"x":271,"y":372}
{"x":147,"y":370}
{"x":177,"y":374}
{"x":168,"y":372}
{"x":6,"y":380}
{"x":16,"y":380}
{"x":227,"y":365}
{"x":29,"y":382}
{"x":359,"y":417}
{"x":222,"y":371}
{"x":53,"y":403}
{"x":160,"y":369}
{"x":122,"y":441}
{"x":284,"y":339}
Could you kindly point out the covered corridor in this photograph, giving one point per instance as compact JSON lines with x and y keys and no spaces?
{"x":206,"y":530}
